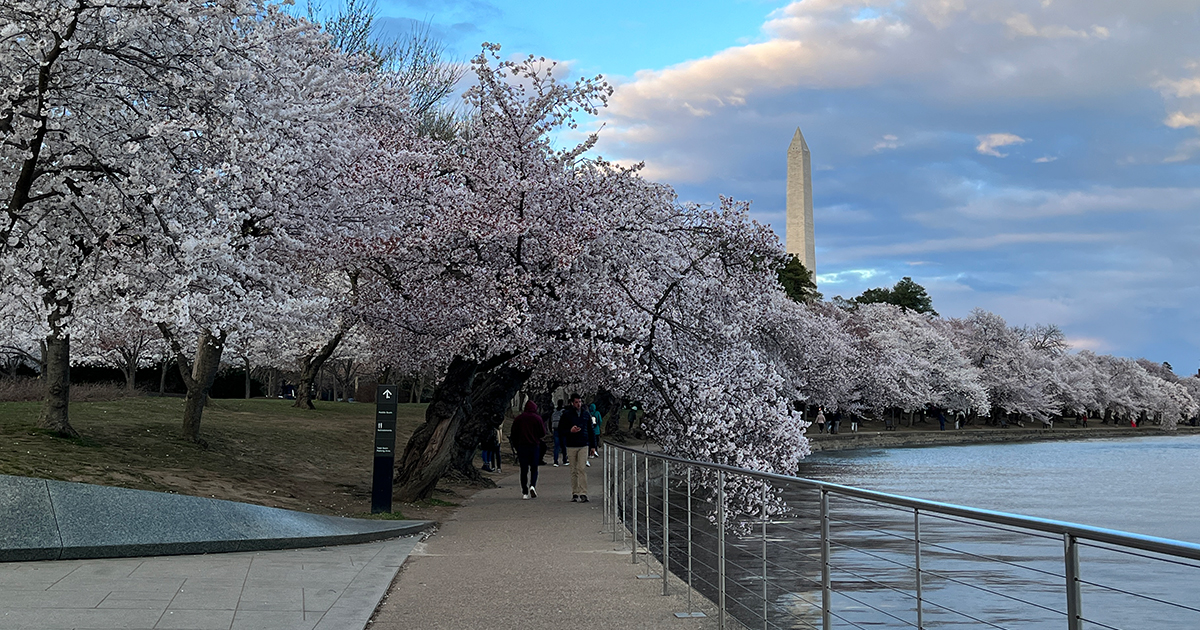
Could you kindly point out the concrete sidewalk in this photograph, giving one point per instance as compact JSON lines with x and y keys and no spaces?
{"x":506,"y":563}
{"x":324,"y":588}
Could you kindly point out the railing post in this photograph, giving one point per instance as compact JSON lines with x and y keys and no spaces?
{"x":624,"y":503}
{"x":826,"y":581}
{"x":649,"y":548}
{"x":634,"y":514}
{"x":764,"y":551}
{"x":917,"y":555}
{"x":1074,"y":595}
{"x":666,"y":556}
{"x":721,"y":550}
{"x":691,"y":612}
{"x":612,"y":478}
{"x":605,"y":499}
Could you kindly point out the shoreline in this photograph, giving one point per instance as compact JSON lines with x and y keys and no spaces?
{"x":918,"y":438}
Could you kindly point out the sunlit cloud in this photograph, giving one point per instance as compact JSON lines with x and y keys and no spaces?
{"x":989,"y":143}
{"x":1095,"y":344}
{"x":1179,"y":120}
{"x":848,"y":275}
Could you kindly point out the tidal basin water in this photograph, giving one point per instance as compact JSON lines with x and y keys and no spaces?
{"x":1144,"y":485}
{"x":982,"y":577}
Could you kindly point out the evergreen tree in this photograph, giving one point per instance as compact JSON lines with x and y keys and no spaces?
{"x":798,"y":282}
{"x":906,"y":294}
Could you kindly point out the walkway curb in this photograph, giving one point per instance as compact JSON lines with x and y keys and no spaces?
{"x":59,"y":520}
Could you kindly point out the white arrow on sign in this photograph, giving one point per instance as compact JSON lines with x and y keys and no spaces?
{"x":387,"y":393}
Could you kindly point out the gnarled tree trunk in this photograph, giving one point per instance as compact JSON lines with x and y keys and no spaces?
{"x":490,"y":398}
{"x":453,"y":425}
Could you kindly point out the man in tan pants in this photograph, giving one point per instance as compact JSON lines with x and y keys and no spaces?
{"x":575,"y":430}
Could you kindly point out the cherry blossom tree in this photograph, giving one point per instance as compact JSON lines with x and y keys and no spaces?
{"x":116,"y":339}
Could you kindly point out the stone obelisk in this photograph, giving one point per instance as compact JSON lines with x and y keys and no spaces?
{"x":800,"y":240}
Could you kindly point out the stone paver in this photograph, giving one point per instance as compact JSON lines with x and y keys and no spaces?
{"x":326,"y":588}
{"x":506,"y":563}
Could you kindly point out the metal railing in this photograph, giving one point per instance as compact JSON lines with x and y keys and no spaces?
{"x":823,"y":555}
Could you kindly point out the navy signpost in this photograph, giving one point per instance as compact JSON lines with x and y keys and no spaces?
{"x":385,"y":448}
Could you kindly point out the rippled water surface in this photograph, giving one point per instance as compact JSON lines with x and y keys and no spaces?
{"x":1144,"y":485}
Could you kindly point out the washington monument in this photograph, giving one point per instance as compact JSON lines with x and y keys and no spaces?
{"x":800,"y":240}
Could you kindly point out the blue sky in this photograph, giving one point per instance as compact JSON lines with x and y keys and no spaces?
{"x":1038,"y":158}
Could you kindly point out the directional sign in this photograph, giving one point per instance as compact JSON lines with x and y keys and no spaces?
{"x":385,"y":448}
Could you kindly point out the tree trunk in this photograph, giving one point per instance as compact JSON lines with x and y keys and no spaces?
{"x":200,"y":382}
{"x":490,"y":397}
{"x":57,"y":374}
{"x":426,"y":457}
{"x":162,"y":379}
{"x":246,"y":363}
{"x":311,"y":365}
{"x":438,"y":444}
{"x":130,"y":360}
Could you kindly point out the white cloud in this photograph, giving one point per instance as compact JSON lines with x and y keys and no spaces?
{"x":1179,"y":120}
{"x":988,"y":144}
{"x":848,"y":275}
{"x":1045,"y":159}
{"x":1180,"y":88}
{"x":888,"y":142}
{"x":973,"y":243}
{"x":1021,"y":24}
{"x":1095,"y":344}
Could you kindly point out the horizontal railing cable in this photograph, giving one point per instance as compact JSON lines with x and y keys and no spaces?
{"x":960,"y":613}
{"x":876,"y":609}
{"x":1141,"y":555}
{"x":869,"y":528}
{"x":1020,"y":531}
{"x":872,"y":555}
{"x":1097,"y":623}
{"x":1140,"y":596}
{"x":993,"y":592}
{"x":925,"y":544}
{"x":868,"y":580}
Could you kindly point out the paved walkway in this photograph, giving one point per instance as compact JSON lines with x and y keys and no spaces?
{"x":323,"y":588}
{"x":499,"y":563}
{"x":505,"y":563}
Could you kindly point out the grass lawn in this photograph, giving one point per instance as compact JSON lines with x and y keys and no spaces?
{"x":259,"y":451}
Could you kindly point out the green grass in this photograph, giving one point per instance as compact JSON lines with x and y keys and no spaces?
{"x":261,"y":450}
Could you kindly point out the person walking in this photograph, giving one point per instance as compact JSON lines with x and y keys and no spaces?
{"x":820,"y":420}
{"x":575,"y":429}
{"x":597,"y":420}
{"x":526,"y":437}
{"x":555,"y":418}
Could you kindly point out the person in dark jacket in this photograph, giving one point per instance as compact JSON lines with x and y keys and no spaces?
{"x":526,"y":436}
{"x":575,"y":430}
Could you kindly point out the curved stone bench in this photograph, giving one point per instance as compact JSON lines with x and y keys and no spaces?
{"x":57,"y":520}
